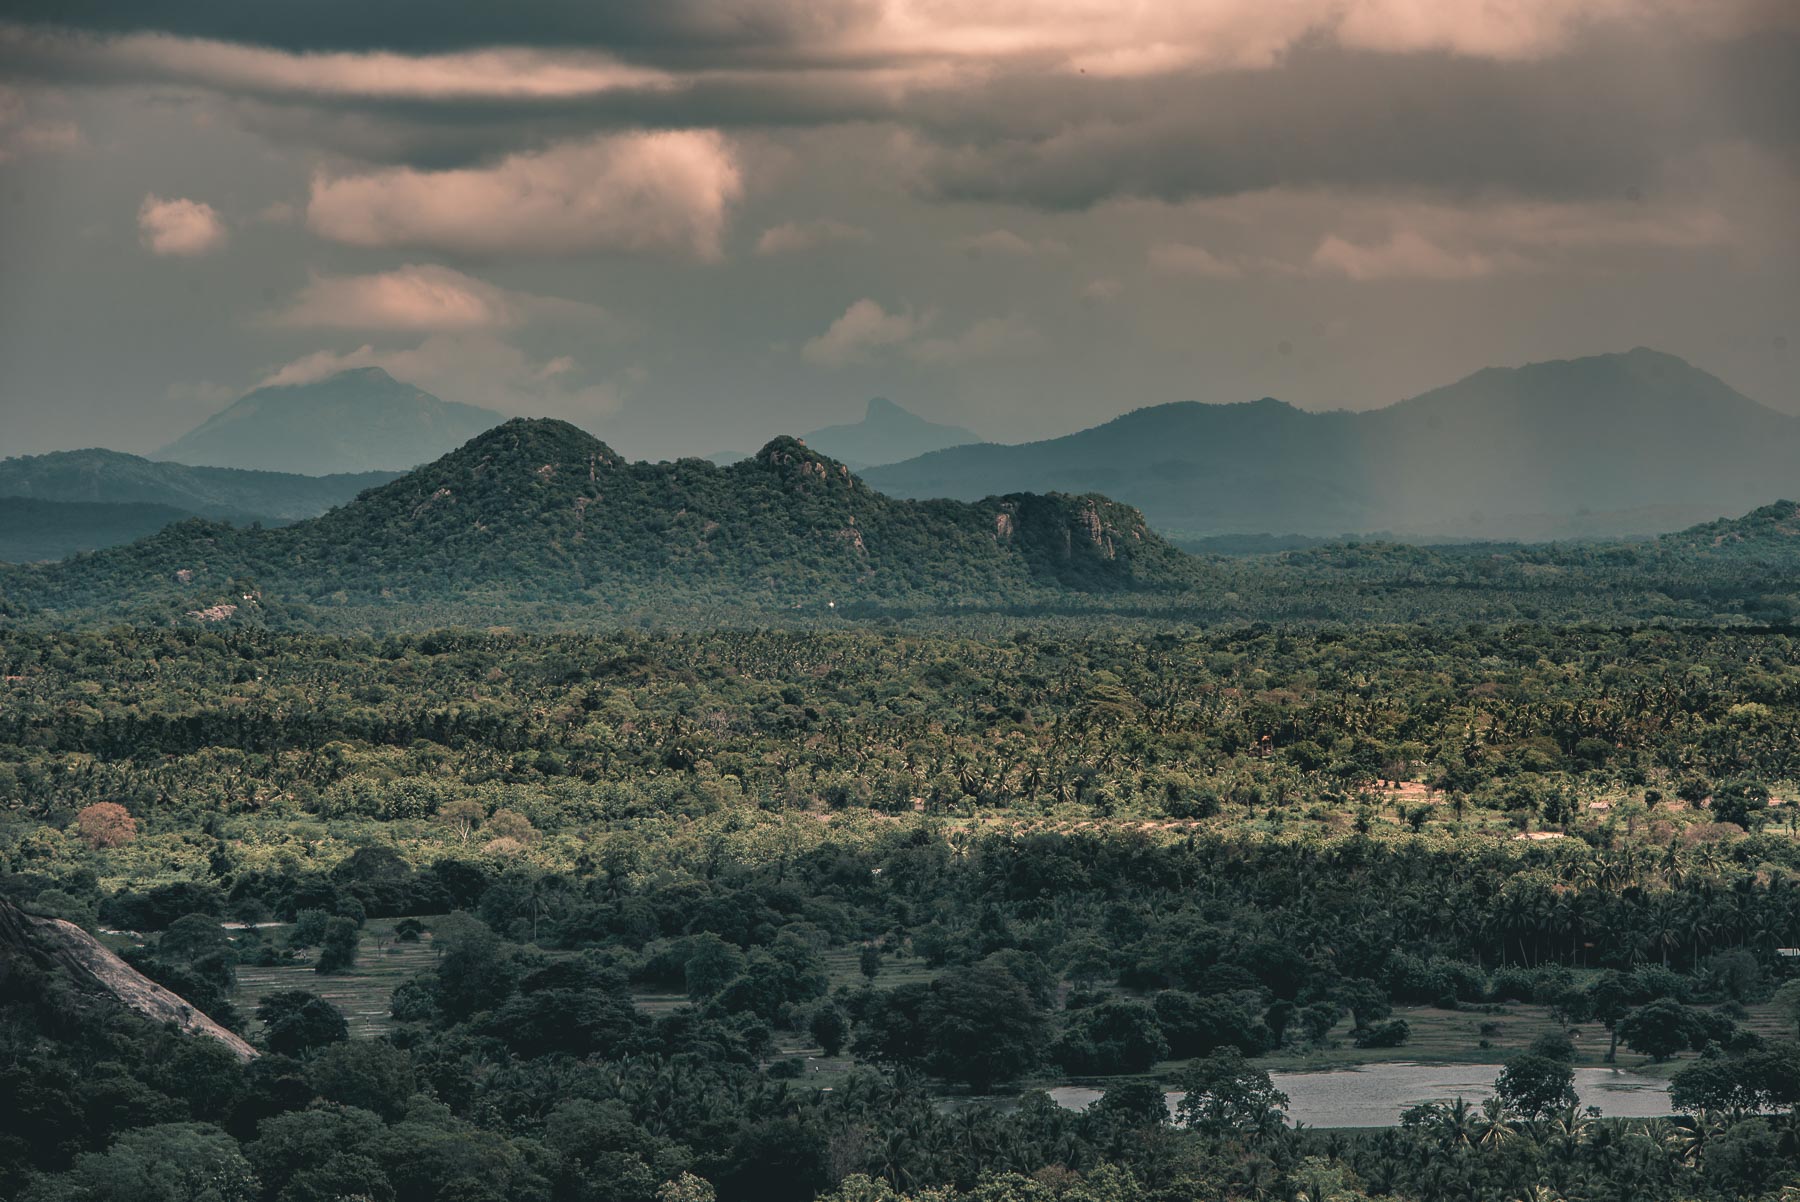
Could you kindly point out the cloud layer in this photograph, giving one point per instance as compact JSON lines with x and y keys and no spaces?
{"x":791,"y":237}
{"x":422,"y":297}
{"x":475,"y":368}
{"x":665,"y":191}
{"x":865,"y":331}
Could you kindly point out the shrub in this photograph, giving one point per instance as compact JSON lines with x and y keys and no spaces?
{"x":1390,"y":1034}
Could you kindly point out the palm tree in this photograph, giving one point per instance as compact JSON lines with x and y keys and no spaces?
{"x":1693,"y":1134}
{"x":1565,"y":1132}
{"x":1497,"y":1127}
{"x":1457,"y":1125}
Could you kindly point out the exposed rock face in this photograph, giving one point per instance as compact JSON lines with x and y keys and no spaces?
{"x":51,"y":943}
{"x":853,"y":536}
{"x":1088,"y":518}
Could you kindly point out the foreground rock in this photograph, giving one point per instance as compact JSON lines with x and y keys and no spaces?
{"x":53,"y":945}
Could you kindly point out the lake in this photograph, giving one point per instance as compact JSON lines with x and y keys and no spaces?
{"x":1374,"y":1095}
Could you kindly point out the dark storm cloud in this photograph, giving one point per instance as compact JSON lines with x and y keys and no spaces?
{"x":441,"y":134}
{"x":1599,"y":114}
{"x":657,"y":27}
{"x":1602,"y":122}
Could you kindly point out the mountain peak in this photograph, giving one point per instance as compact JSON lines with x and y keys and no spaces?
{"x":373,"y":374}
{"x":888,"y":433}
{"x":880,"y":407}
{"x":531,"y":444}
{"x":363,"y":381}
{"x":1616,"y":385}
{"x":542,"y":431}
{"x":357,"y":420}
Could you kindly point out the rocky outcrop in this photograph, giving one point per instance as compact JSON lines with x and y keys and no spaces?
{"x":1088,"y":519}
{"x":793,"y":459}
{"x":52,"y":945}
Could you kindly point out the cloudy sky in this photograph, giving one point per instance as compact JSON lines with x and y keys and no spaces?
{"x":691,"y":224}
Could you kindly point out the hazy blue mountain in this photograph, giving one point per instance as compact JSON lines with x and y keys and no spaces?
{"x":227,"y":494}
{"x":33,"y":531}
{"x":55,"y":505}
{"x":538,"y":511}
{"x":1630,"y":443}
{"x":355,"y":421}
{"x":886,"y":434}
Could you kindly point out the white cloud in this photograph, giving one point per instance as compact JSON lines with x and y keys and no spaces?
{"x":1102,"y":291}
{"x":1105,"y":38}
{"x":24,"y":131}
{"x":1004,"y":243}
{"x":1311,"y":233}
{"x":1506,"y":29}
{"x":990,"y":338}
{"x":646,"y":191}
{"x":1403,"y":256}
{"x":792,"y":236}
{"x":179,"y":227}
{"x":1182,"y":258}
{"x":476,"y":369}
{"x":421,"y":297}
{"x":864,"y":326}
{"x":866,"y":329}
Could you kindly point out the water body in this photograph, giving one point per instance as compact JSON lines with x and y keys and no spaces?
{"x":1375,"y":1095}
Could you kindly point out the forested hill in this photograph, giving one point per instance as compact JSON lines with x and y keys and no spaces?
{"x":1770,"y":534}
{"x":540,"y":511}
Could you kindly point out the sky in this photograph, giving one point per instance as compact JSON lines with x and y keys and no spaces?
{"x":691,"y":225}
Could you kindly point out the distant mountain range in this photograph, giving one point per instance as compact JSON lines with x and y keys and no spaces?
{"x":355,"y":421}
{"x":68,"y":501}
{"x":1625,"y":444}
{"x":39,"y":531}
{"x":537,"y":511}
{"x":887,"y":433}
{"x":1615,"y":444}
{"x":63,"y":502}
{"x":229,"y":494}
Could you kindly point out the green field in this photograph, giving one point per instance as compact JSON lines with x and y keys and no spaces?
{"x":363,"y":993}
